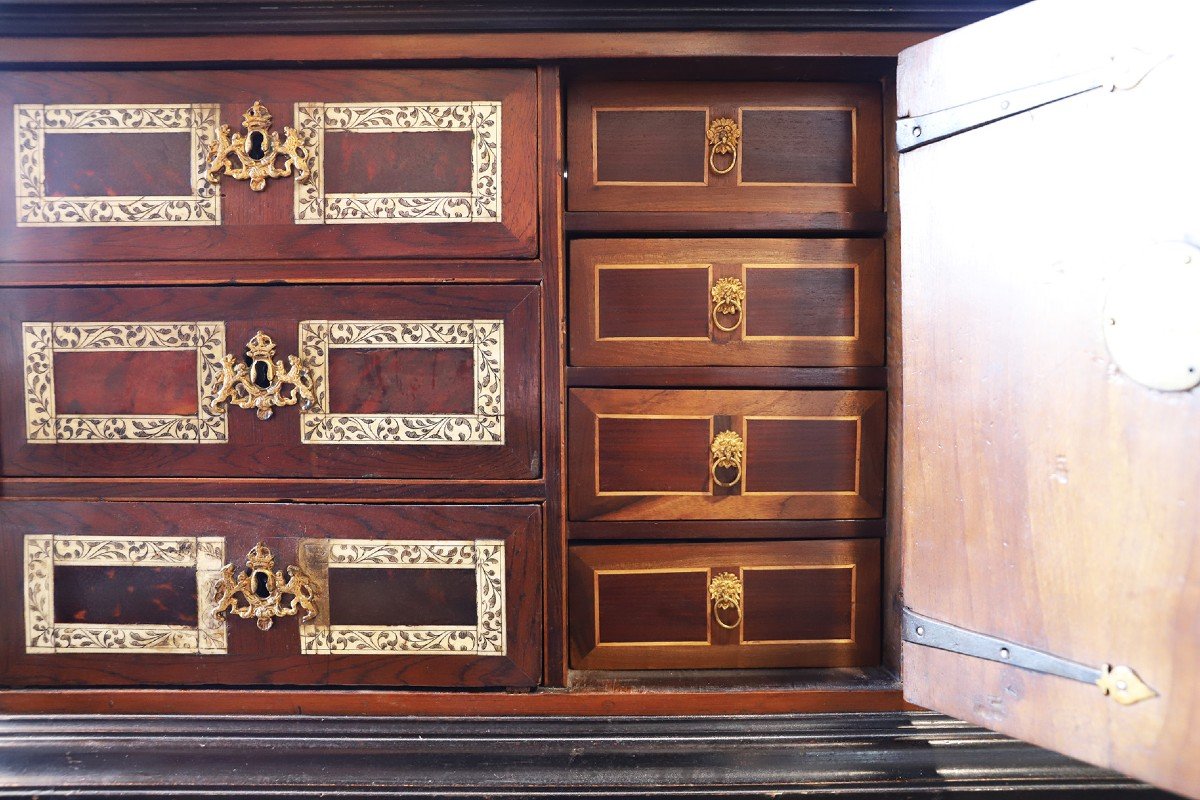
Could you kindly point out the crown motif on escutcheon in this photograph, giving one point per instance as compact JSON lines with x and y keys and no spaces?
{"x":260,"y":558}
{"x":257,"y":118}
{"x":261,"y":347}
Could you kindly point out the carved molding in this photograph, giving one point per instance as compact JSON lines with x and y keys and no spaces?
{"x":313,"y":205}
{"x":44,"y":425}
{"x":484,"y":337}
{"x":43,"y":634}
{"x":484,"y":556}
{"x":37,"y":209}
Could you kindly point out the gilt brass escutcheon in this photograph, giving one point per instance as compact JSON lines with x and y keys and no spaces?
{"x":728,"y":297}
{"x":256,"y":152}
{"x":724,"y":135}
{"x":725,"y":591}
{"x":727,"y":452}
{"x":262,"y":588}
{"x":258,"y":381}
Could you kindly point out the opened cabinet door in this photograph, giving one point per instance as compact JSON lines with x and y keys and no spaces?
{"x":1051,"y":355}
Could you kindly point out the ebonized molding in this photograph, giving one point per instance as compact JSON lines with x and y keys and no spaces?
{"x":154,"y":17}
{"x":910,"y":755}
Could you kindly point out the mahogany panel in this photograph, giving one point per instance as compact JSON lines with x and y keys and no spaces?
{"x":274,"y":657}
{"x":803,"y":604}
{"x":779,"y":223}
{"x":150,"y":163}
{"x":658,"y":529}
{"x":647,"y":302}
{"x":232,"y":221}
{"x":125,"y":382}
{"x":251,"y":447}
{"x":402,"y":381}
{"x":729,"y":377}
{"x":801,"y":153}
{"x":822,"y":457}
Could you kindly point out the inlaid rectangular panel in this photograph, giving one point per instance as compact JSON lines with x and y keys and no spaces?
{"x":640,"y":454}
{"x":700,"y":606}
{"x":340,"y":381}
{"x":726,"y":302}
{"x":244,"y":594}
{"x":253,"y":166}
{"x":809,"y":147}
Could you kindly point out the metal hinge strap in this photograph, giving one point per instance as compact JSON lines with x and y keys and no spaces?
{"x":1120,"y":683}
{"x":1120,"y":72}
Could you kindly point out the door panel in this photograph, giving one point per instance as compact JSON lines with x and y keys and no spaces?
{"x":1050,"y":498}
{"x":116,"y":594}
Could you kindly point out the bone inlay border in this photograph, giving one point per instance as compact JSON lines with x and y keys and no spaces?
{"x":484,"y":556}
{"x":313,"y":205}
{"x":43,"y":634}
{"x":43,"y":425}
{"x":37,"y":209}
{"x":485,"y":337}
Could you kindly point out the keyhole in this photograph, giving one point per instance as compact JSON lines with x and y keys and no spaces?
{"x":259,"y":373}
{"x":256,"y":145}
{"x":259,"y":580}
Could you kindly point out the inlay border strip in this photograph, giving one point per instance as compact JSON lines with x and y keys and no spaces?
{"x":35,"y":208}
{"x":485,"y":337}
{"x":42,"y":552}
{"x":484,"y":556}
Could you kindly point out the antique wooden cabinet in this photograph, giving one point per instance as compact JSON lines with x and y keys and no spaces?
{"x":623,"y":413}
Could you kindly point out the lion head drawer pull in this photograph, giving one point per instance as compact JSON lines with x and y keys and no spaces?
{"x":727,"y":451}
{"x":262,"y":589}
{"x":724,"y":136}
{"x":725,"y":591}
{"x":257,"y":382}
{"x":728,"y":297}
{"x":257,"y":152}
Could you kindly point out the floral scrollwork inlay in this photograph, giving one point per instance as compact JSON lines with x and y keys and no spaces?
{"x":485,"y":339}
{"x":37,"y":207}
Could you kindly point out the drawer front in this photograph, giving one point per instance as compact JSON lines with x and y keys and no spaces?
{"x":664,"y":454}
{"x":727,"y":302}
{"x":776,"y":604}
{"x":782,"y":147}
{"x":384,"y":382}
{"x":329,"y":163}
{"x":160,"y":593}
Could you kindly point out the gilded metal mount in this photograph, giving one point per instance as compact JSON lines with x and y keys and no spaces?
{"x":727,"y":452}
{"x":728,"y":297}
{"x":724,"y":135}
{"x":262,"y":588}
{"x":725,"y":591}
{"x":257,"y":151}
{"x":258,"y":381}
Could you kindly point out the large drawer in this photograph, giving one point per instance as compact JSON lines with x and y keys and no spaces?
{"x":102,"y":166}
{"x":160,"y":594}
{"x":725,"y":454}
{"x":727,"y":302}
{"x":763,"y":604}
{"x":386,"y":382}
{"x":783,"y":147}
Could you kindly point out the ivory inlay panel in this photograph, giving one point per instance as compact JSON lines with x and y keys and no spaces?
{"x":484,"y":556}
{"x":484,"y":337}
{"x":37,"y":209}
{"x":43,"y":425}
{"x":313,"y":205}
{"x":43,"y":634}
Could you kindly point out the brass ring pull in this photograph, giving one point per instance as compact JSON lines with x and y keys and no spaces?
{"x":256,"y":152}
{"x":727,"y":451}
{"x":725,"y":591}
{"x":262,"y":589}
{"x":258,"y":381}
{"x":724,"y":135}
{"x":728,"y":296}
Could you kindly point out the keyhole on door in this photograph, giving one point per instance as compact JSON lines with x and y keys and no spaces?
{"x":259,"y":580}
{"x":256,"y":145}
{"x":260,"y":374}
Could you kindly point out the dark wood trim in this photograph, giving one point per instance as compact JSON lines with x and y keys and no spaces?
{"x":721,"y":223}
{"x":270,"y":490}
{"x":656,"y":530}
{"x":729,"y":377}
{"x":213,"y":17}
{"x":825,"y":755}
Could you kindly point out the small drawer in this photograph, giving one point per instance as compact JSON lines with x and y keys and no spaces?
{"x":639,"y":454}
{"x":783,"y":147}
{"x":773,"y":604}
{"x":305,"y":382}
{"x":727,"y":302}
{"x":268,"y":164}
{"x":182,"y":594}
